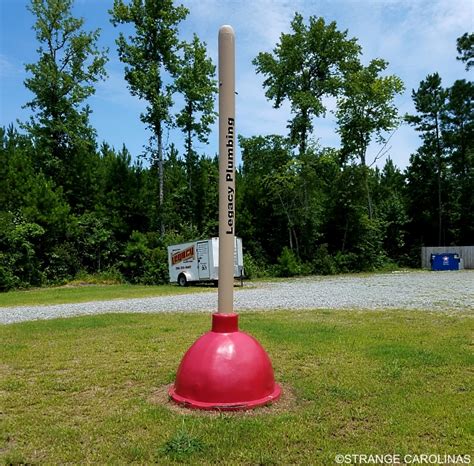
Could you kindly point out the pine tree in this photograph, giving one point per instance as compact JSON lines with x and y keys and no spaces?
{"x":430,"y":103}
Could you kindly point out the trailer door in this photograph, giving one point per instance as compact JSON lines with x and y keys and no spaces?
{"x":203,"y":260}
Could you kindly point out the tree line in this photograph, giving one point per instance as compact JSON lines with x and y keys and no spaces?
{"x":70,"y":207}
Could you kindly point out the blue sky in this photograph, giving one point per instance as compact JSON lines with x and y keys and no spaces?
{"x":416,"y":37}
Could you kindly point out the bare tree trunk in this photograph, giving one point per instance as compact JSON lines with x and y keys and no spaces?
{"x":189,"y":144}
{"x":303,"y":134}
{"x":297,"y":246}
{"x":366,"y":182}
{"x":189,"y":160}
{"x":344,"y":239}
{"x":369,"y":197}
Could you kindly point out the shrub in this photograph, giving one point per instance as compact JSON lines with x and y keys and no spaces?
{"x":156,"y":267}
{"x":111,"y":276}
{"x":254,"y":268}
{"x":323,"y":263}
{"x":135,"y":257}
{"x":22,"y":241}
{"x":346,"y":262}
{"x":7,"y":279}
{"x":63,"y":264}
{"x":145,"y":257}
{"x":288,"y":264}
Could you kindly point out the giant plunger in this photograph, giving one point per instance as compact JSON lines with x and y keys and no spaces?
{"x":225,"y":369}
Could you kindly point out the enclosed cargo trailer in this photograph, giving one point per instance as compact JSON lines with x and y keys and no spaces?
{"x":198,"y":261}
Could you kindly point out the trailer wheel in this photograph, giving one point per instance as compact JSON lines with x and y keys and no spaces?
{"x":182,"y":280}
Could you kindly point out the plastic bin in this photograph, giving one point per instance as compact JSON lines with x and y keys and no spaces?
{"x":445,"y":261}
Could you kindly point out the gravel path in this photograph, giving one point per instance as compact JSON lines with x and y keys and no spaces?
{"x":441,"y":291}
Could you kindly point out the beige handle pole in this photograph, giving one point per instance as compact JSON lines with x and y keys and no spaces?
{"x":227,"y":148}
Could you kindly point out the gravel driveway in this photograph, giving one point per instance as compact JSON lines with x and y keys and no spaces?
{"x":431,"y":291}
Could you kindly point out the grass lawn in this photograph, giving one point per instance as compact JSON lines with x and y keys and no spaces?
{"x":82,"y":294}
{"x":83,"y":389}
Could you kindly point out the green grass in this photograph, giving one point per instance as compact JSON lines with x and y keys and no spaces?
{"x":81,"y":389}
{"x":82,"y":294}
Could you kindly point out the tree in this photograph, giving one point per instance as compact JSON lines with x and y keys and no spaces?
{"x":422,"y":199}
{"x":264,"y":158}
{"x":150,"y":57}
{"x":63,"y":78}
{"x":305,"y":66}
{"x":207,"y":192}
{"x":430,"y":103}
{"x":121,"y":202}
{"x":465,"y":48}
{"x":458,"y":126}
{"x":33,"y":214}
{"x":391,"y":208}
{"x":365,"y":109}
{"x":197,"y":85}
{"x":458,"y":136}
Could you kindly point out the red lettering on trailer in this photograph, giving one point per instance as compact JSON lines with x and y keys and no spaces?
{"x":180,"y":256}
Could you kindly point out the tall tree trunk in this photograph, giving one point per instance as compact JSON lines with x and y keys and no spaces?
{"x":297,"y":245}
{"x":344,"y":239}
{"x":189,"y":159}
{"x":304,"y":132}
{"x":369,"y":197}
{"x":366,"y":182}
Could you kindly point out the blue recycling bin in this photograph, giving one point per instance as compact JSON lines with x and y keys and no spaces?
{"x":445,"y":261}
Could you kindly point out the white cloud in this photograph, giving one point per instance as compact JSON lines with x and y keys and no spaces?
{"x":114,"y":90}
{"x":9,"y":69}
{"x":256,"y":22}
{"x":417,"y":37}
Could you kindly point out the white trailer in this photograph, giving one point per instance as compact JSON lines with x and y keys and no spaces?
{"x":198,"y":261}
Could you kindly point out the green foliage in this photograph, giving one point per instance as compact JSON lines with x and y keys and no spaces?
{"x":458,"y":136}
{"x":20,"y":263}
{"x":195,"y":81}
{"x":182,"y":445}
{"x":305,"y":66}
{"x":323,"y":263}
{"x":63,"y":263}
{"x":69,"y":65}
{"x":430,"y":103}
{"x":255,"y":268}
{"x":136,"y":254}
{"x":156,"y":266}
{"x":440,"y":173}
{"x":150,"y":56}
{"x":69,"y":209}
{"x":465,"y":48}
{"x":111,"y":276}
{"x":366,"y":108}
{"x":288,"y":264}
{"x":150,"y":52}
{"x":145,"y":258}
{"x":94,"y":241}
{"x":8,"y":281}
{"x":346,"y":262}
{"x":369,"y":247}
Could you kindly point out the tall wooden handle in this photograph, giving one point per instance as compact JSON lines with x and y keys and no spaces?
{"x":227,"y":153}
